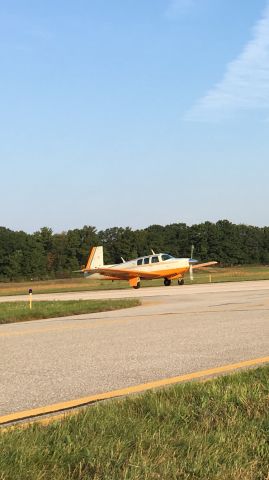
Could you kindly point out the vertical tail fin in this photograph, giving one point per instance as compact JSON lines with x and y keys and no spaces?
{"x":96,"y":258}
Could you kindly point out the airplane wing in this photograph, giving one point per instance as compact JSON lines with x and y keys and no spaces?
{"x":201,"y":265}
{"x":124,"y":273}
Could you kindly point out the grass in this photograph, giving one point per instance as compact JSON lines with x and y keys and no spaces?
{"x":231,"y":274}
{"x":59,"y":285}
{"x":20,"y":311}
{"x":218,"y":274}
{"x":216,"y":430}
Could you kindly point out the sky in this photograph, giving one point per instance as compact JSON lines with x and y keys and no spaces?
{"x":133,"y":113}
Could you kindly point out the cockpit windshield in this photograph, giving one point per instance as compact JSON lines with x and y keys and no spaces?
{"x":166,"y":256}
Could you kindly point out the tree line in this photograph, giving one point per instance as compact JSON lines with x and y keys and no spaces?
{"x":45,"y":254}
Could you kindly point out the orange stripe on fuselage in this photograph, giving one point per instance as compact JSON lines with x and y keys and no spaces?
{"x":146,"y":273}
{"x":168,"y":272}
{"x":163,"y":269}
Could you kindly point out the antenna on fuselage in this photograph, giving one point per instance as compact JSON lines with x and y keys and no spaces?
{"x":122,"y":259}
{"x":153,"y":253}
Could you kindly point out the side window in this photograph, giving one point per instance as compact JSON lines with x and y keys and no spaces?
{"x":146,"y":261}
{"x":165,"y":257}
{"x":154,"y":259}
{"x":140,"y":261}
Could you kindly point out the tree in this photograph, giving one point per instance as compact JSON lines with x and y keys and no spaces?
{"x":45,"y":254}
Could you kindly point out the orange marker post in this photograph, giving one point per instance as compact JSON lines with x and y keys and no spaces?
{"x":30,"y":298}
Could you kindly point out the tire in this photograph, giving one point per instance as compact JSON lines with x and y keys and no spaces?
{"x":181,"y":281}
{"x":137,"y":286}
{"x":167,"y":282}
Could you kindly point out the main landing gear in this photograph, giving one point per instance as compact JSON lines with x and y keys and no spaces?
{"x":138,"y":285}
{"x":167,"y":282}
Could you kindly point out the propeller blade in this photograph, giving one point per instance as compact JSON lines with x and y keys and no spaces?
{"x":191,"y":262}
{"x":191,"y":273}
{"x":192,"y":250}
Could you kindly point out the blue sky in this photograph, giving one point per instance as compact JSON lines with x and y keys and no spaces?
{"x":129,"y":113}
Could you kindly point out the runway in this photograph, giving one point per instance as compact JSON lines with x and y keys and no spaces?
{"x":145,"y":292}
{"x":177,"y":330}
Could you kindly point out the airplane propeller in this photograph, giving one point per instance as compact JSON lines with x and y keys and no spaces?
{"x":191,"y":261}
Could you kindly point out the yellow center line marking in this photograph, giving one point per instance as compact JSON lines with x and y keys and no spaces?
{"x":79,"y":402}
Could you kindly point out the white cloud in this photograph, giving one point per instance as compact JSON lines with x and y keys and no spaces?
{"x":245,"y":85}
{"x":178,"y":7}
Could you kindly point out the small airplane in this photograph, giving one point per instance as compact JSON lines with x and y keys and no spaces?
{"x":157,"y":265}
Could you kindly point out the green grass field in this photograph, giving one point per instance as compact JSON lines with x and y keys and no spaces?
{"x":20,"y":312}
{"x":213,"y":275}
{"x":216,"y":430}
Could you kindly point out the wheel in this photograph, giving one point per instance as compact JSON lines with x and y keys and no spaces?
{"x":181,"y":281}
{"x":137,"y":285}
{"x":167,"y":282}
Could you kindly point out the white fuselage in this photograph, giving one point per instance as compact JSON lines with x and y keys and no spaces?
{"x":156,"y":265}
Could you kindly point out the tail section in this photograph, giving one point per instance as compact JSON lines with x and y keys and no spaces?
{"x":96,"y":258}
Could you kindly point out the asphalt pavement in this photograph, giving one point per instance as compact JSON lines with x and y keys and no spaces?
{"x":177,"y":330}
